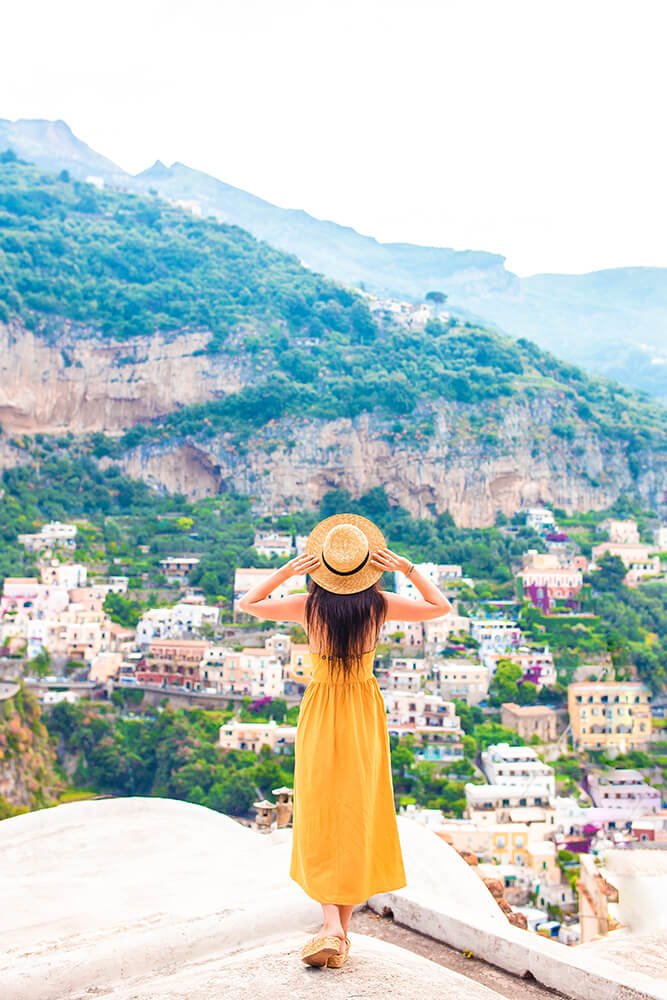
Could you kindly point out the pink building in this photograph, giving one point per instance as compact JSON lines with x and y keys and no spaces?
{"x":402,"y":633}
{"x":544,"y":580}
{"x":624,"y":789}
{"x":29,"y":595}
{"x":173,"y":661}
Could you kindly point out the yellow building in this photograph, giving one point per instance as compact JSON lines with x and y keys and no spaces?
{"x":300,"y":663}
{"x":509,"y":844}
{"x":606,"y":714}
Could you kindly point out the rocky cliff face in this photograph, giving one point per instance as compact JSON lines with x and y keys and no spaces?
{"x":82,"y":384}
{"x":27,"y":776}
{"x":298,"y":461}
{"x":68,"y":382}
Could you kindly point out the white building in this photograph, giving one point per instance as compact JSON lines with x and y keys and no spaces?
{"x":51,"y":535}
{"x":177,"y":568}
{"x":536,"y":662}
{"x":237,"y":735}
{"x":459,"y":679}
{"x":67,"y":575}
{"x":300,"y":544}
{"x":404,"y":674}
{"x":499,"y":803}
{"x":431,"y":720}
{"x":624,"y":532}
{"x":520,"y":768}
{"x":438,"y":574}
{"x":498,"y":634}
{"x":253,"y":670}
{"x":437,"y":631}
{"x":540,"y":519}
{"x":407,"y":708}
{"x":182,"y":621}
{"x":280,"y":644}
{"x":77,"y":635}
{"x":640,"y":561}
{"x":271,"y":543}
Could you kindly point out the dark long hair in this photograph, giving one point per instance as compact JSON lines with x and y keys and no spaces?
{"x":347,"y":625}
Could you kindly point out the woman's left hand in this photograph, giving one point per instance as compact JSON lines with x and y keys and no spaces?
{"x":390,"y":562}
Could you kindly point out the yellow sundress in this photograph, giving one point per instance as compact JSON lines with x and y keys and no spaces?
{"x":345,"y":843}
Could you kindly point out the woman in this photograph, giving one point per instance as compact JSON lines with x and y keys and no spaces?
{"x":345,"y":843}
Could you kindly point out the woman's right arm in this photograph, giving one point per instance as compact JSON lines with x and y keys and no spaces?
{"x":405,"y":609}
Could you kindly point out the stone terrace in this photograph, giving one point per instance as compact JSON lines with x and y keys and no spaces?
{"x":153,"y":898}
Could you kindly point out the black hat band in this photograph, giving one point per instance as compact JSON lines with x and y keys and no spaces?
{"x":346,"y":572}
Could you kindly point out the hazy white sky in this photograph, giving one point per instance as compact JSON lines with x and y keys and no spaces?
{"x":532,"y":128}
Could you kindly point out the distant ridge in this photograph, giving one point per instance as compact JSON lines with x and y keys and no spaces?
{"x":612,"y":322}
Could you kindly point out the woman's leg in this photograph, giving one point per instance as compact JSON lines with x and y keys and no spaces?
{"x":331,"y":923}
{"x":345,"y":912}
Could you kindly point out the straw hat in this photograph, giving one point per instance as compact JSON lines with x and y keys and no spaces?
{"x":345,"y":544}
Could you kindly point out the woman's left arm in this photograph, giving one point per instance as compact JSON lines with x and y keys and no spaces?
{"x":288,"y":609}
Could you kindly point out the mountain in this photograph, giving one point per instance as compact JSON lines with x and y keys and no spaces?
{"x":337,"y":251}
{"x":202,"y":360}
{"x":52,"y":145}
{"x":610,"y":322}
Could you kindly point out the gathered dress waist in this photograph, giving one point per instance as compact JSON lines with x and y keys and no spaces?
{"x":322,"y":673}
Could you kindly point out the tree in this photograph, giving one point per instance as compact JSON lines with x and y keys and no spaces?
{"x":362,"y":322}
{"x":41,"y":663}
{"x":122,"y":610}
{"x":235,"y":796}
{"x":610,"y":574}
{"x":492,"y":732}
{"x":504,"y":685}
{"x":437,"y":298}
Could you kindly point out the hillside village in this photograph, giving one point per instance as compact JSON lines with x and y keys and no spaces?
{"x":542,"y":770}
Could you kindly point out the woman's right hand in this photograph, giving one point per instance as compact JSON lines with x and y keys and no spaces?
{"x":390,"y":561}
{"x":300,"y":565}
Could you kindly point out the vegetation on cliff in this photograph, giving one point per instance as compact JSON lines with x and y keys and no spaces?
{"x":128,"y":265}
{"x":27,"y":757}
{"x":117,"y":515}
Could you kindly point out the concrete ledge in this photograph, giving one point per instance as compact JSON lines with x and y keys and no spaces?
{"x":580,"y":975}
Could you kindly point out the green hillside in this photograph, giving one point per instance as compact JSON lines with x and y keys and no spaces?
{"x":121,"y":265}
{"x":128,"y":265}
{"x":609,"y":322}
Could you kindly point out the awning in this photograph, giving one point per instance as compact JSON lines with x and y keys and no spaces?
{"x":527,"y":814}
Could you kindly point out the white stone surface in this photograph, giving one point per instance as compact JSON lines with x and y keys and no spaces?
{"x":126,"y":894}
{"x":274,"y":971}
{"x":641,"y":879}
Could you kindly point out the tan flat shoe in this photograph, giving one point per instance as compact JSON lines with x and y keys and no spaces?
{"x":336,"y":961}
{"x":317,"y":951}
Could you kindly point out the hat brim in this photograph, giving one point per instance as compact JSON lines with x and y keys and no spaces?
{"x":367,"y":575}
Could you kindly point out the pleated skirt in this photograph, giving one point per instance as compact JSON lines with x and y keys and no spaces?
{"x":345,"y":844}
